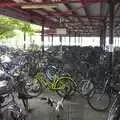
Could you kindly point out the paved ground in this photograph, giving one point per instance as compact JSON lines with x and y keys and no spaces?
{"x":75,"y":109}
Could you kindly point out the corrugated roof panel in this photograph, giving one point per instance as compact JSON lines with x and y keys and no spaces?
{"x":87,"y":14}
{"x":94,"y":9}
{"x":62,"y":7}
{"x":79,"y":8}
{"x":45,"y":14}
{"x":75,"y":5}
{"x":117,"y":10}
{"x":81,"y":12}
{"x":105,"y":9}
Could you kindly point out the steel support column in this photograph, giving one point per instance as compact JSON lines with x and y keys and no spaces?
{"x":69,"y":39}
{"x":24,"y":40}
{"x":75,"y":38}
{"x":111,"y":31}
{"x":103,"y":37}
{"x":111,"y":6}
{"x":61,"y":45}
{"x":42,"y":38}
{"x":52,"y":39}
{"x":79,"y":40}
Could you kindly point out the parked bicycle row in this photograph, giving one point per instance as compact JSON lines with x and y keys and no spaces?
{"x":93,"y":81}
{"x":17,"y":83}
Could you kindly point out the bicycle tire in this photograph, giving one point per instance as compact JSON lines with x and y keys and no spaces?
{"x":32,"y":92}
{"x":114,"y":111}
{"x":91,"y":100}
{"x":63,"y":92}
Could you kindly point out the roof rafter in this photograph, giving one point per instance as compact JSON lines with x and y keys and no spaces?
{"x":43,"y":2}
{"x":75,"y":14}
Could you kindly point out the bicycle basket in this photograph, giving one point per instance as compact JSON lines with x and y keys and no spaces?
{"x":50,"y":72}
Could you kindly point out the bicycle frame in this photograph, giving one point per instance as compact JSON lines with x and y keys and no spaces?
{"x":51,"y":85}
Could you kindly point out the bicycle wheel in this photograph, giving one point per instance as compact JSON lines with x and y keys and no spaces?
{"x":65,"y":87}
{"x":98,"y":100}
{"x":33,"y":88}
{"x":114,"y":112}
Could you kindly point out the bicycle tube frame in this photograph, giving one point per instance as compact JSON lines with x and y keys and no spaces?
{"x":52,"y":85}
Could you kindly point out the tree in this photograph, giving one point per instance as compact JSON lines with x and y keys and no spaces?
{"x":9,"y":25}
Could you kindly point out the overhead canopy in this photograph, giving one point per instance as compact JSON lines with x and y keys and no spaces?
{"x":79,"y":17}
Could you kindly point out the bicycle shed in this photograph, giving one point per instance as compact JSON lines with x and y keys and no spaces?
{"x":77,"y":18}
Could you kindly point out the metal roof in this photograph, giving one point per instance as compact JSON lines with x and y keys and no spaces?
{"x":80,"y":17}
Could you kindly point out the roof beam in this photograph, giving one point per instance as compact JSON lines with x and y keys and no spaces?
{"x":49,"y":14}
{"x":43,"y":18}
{"x":43,"y":2}
{"x":84,"y":3}
{"x":75,"y":14}
{"x":68,"y":12}
{"x":25,"y":16}
{"x":32,"y":14}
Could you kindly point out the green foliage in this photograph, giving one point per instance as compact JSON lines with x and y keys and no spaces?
{"x":9,"y":25}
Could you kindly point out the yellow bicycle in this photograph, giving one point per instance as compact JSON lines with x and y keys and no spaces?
{"x":63,"y":85}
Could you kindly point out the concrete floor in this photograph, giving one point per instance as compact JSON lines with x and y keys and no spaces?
{"x":75,"y":109}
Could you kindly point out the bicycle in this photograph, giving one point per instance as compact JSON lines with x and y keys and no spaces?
{"x":63,"y":85}
{"x":99,"y":98}
{"x":10,"y":110}
{"x":82,"y":87}
{"x":103,"y":92}
{"x":114,"y":111}
{"x":15,"y":77}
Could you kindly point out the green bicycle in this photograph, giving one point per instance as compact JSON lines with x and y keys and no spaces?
{"x":54,"y":80}
{"x":63,"y":86}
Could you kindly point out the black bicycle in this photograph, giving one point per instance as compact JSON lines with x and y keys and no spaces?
{"x":100,"y":97}
{"x":9,"y":109}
